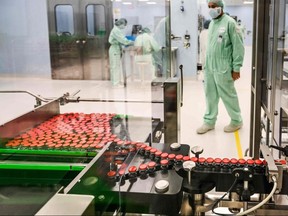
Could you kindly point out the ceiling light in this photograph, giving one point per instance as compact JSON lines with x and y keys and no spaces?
{"x":151,"y":2}
{"x":248,"y":2}
{"x":127,"y":3}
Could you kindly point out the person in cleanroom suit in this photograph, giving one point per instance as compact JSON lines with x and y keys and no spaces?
{"x":117,"y":39}
{"x":224,"y":58}
{"x":145,"y":46}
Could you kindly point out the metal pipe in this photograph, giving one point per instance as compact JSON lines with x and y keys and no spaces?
{"x":113,"y":100}
{"x":30,"y":93}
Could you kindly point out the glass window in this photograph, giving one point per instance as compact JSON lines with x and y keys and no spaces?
{"x":64,"y":20}
{"x":95,"y":16}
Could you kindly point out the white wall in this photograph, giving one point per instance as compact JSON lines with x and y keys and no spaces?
{"x":244,"y":13}
{"x":24,"y":46}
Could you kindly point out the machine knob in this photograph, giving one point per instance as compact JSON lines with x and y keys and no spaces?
{"x":175,"y":146}
{"x":197,"y":150}
{"x":188,"y":165}
{"x":161,"y":186}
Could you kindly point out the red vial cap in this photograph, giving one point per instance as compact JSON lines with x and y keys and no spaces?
{"x":217,"y":160}
{"x":120,"y":142}
{"x":242,"y":161}
{"x":179,"y":157}
{"x":78,"y":146}
{"x":164,"y":162}
{"x":143,"y":167}
{"x":250,"y":161}
{"x":164,"y":155}
{"x":148,"y":148}
{"x":153,"y":150}
{"x":99,"y":146}
{"x":121,"y":172}
{"x":132,"y":169}
{"x":225,"y":161}
{"x":151,"y":164}
{"x":138,"y":145}
{"x":111,"y":173}
{"x":233,"y":161}
{"x":143,"y":146}
{"x":158,"y":153}
{"x":171,"y":156}
{"x":194,"y":159}
{"x":209,"y":160}
{"x":201,"y":160}
{"x":258,"y":162}
{"x":186,"y":158}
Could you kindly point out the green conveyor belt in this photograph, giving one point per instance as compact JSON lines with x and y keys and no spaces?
{"x":48,"y":152}
{"x":59,"y":167}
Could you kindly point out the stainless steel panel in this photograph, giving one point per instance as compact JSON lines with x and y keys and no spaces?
{"x":172,"y":103}
{"x":29,"y":120}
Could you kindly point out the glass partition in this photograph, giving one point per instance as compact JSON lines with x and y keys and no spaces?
{"x":104,"y":84}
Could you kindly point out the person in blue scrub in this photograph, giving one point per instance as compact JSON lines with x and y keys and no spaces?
{"x":224,"y":58}
{"x":117,"y":39}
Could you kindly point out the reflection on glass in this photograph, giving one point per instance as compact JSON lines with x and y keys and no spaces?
{"x":64,"y":20}
{"x":95,"y":15}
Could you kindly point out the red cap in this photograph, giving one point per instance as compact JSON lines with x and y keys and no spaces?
{"x":179,"y":157}
{"x":202,"y":160}
{"x":225,"y":161}
{"x":153,"y":150}
{"x":143,"y":167}
{"x":158,"y":153}
{"x":210,"y":160}
{"x":132,"y":169}
{"x":111,"y":173}
{"x":217,"y":160}
{"x":164,"y":162}
{"x":151,"y":164}
{"x":242,"y":161}
{"x":171,"y":156}
{"x":250,"y":161}
{"x":234,"y":161}
{"x":258,"y":162}
{"x":164,"y":155}
{"x":194,"y":159}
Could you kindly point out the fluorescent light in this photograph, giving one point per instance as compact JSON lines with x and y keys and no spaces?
{"x":248,"y":2}
{"x":126,"y":3}
{"x":143,"y":0}
{"x":151,"y":2}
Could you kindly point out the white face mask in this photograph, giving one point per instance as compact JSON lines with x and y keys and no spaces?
{"x":215,"y":12}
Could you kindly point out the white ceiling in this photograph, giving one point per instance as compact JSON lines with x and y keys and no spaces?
{"x":229,"y":2}
{"x":236,"y":2}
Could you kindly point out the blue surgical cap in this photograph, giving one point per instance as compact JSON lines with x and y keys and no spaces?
{"x":220,"y":3}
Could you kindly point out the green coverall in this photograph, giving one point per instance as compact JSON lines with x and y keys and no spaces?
{"x":225,"y":53}
{"x":116,"y":39}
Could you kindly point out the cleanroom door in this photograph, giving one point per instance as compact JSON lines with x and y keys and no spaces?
{"x":96,"y":23}
{"x":78,"y":38}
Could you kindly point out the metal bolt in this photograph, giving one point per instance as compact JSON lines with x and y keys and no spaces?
{"x":101,"y":197}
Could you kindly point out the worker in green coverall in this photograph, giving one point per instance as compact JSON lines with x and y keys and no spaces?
{"x":117,"y":39}
{"x":224,"y":58}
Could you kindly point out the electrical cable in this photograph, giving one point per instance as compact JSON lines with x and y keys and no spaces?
{"x":263,"y":201}
{"x":221,"y":198}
